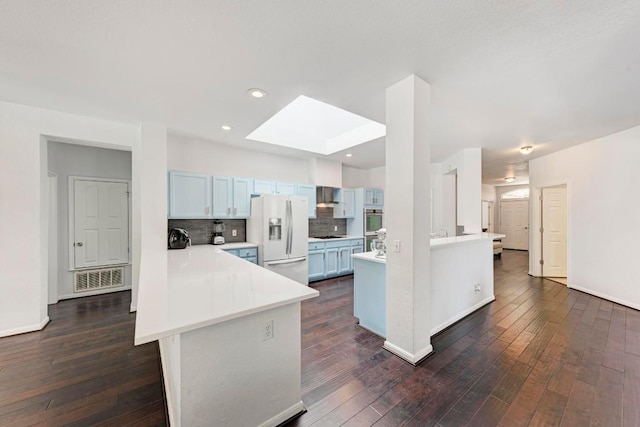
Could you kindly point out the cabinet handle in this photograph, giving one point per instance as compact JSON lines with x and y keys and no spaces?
{"x":235,"y":211}
{"x":343,"y":213}
{"x":206,"y":210}
{"x":228,"y":211}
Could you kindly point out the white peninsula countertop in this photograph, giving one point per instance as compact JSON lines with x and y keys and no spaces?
{"x":204,"y":285}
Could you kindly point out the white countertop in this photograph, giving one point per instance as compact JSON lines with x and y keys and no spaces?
{"x":436,"y":244}
{"x":469,"y":238}
{"x":346,"y":237}
{"x":185,"y":289}
{"x":237,"y":245}
{"x":369,"y":256}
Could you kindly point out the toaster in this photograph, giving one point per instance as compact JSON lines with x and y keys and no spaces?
{"x":179,"y":238}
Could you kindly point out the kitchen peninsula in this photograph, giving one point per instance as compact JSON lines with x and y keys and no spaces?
{"x":461,"y":282}
{"x":229,"y":336}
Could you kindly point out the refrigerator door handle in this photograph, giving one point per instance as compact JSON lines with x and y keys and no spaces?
{"x":289,"y":227}
{"x":286,"y":261}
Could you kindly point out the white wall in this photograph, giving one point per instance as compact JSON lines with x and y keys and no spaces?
{"x":377,"y":178}
{"x":24,"y":203}
{"x":78,"y":160}
{"x":354,"y":177}
{"x":201,"y":156}
{"x":603,"y":209}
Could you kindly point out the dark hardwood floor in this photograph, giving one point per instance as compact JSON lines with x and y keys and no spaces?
{"x":539,"y":355}
{"x":82,"y":369}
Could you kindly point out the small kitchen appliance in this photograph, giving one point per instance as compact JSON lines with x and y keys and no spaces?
{"x":179,"y":238}
{"x":218,"y":228}
{"x":378,"y":245}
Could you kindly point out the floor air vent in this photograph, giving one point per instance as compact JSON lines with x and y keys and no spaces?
{"x":91,"y":280}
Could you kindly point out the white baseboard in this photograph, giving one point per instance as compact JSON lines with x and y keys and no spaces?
{"x":462,"y":314}
{"x":605,"y":296}
{"x":25,"y":329}
{"x":409,"y":357}
{"x":96,"y":292}
{"x":284,"y":415}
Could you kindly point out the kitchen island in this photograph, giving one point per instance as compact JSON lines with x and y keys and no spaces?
{"x":229,"y":336}
{"x":461,"y":282}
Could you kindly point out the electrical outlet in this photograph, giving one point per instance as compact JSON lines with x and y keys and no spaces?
{"x":234,"y":233}
{"x":477,"y":288}
{"x":396,"y":246}
{"x":267,"y":331}
{"x":335,"y":228}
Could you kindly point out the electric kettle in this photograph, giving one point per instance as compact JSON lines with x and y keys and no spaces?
{"x":179,"y":238}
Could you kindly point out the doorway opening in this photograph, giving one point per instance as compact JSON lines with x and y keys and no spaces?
{"x":514,"y":224}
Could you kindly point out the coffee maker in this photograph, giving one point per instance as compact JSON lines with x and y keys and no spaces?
{"x":218,"y":228}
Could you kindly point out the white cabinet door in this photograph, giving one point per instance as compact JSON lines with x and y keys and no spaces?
{"x":285,"y":188}
{"x":309,"y":191}
{"x":346,"y":202}
{"x":316,"y":265}
{"x":242,"y":189}
{"x":101,"y":223}
{"x":222,"y":197}
{"x":373,"y":197}
{"x":344,"y":255}
{"x":261,"y":186}
{"x":332,"y":263}
{"x":189,"y":195}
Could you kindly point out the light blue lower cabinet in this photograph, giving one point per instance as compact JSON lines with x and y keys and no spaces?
{"x":249,"y":254}
{"x":316,"y":265}
{"x":333,"y":258}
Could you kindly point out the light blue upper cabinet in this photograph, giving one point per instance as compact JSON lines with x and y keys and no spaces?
{"x":373,"y":197}
{"x":260,"y":186}
{"x":285,"y":188}
{"x":309,"y":191}
{"x":231,"y":197}
{"x":222,"y":197}
{"x":189,"y":195}
{"x":345,"y":203}
{"x":242,"y":189}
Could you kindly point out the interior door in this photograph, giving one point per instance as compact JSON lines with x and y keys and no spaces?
{"x":514,"y":224}
{"x":101,"y":223}
{"x":554,"y":234}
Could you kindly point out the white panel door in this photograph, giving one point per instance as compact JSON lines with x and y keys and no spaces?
{"x":514,"y":224}
{"x":101,"y":223}
{"x":554,"y":234}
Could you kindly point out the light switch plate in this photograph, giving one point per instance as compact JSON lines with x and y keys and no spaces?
{"x":396,"y":246}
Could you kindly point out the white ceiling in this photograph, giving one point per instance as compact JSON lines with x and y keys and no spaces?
{"x":504,"y":74}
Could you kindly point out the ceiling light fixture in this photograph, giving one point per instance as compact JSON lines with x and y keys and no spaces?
{"x":257,"y":93}
{"x":226,"y":127}
{"x":349,"y":155}
{"x":510,"y":178}
{"x":526,"y":149}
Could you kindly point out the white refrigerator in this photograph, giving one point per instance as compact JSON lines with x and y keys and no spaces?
{"x":280,"y":226}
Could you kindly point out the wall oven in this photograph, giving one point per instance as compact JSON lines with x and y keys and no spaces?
{"x":373,"y":221}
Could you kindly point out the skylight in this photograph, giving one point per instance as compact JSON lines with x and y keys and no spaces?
{"x":311,"y":125}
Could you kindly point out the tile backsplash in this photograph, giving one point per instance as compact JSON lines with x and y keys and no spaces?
{"x":201,"y":230}
{"x":325,"y":223}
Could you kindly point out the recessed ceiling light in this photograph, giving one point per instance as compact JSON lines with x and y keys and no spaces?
{"x":349,"y":155}
{"x":226,"y":127}
{"x":510,"y":178}
{"x":526,"y":149}
{"x":257,"y":92}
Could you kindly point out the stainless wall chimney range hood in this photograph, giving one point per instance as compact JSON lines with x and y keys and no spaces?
{"x":324,"y":197}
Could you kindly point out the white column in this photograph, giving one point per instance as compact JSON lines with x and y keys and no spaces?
{"x":149,"y":198}
{"x":407,"y":219}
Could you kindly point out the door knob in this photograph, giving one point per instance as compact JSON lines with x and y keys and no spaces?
{"x":526,"y":228}
{"x":79,"y":244}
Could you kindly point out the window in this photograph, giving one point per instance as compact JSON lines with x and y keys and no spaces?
{"x":521,"y":193}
